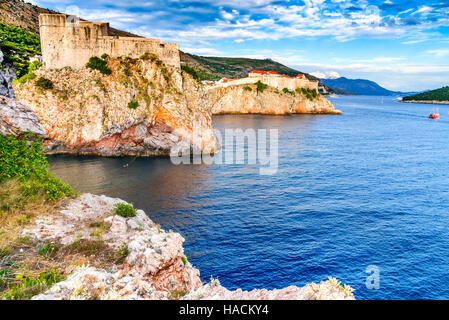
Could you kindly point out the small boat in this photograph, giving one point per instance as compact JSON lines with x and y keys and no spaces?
{"x":434,"y":115}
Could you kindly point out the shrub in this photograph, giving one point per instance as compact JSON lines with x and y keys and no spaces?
{"x":23,"y":159}
{"x":133,"y":105}
{"x":99,"y":64}
{"x":191,"y":71}
{"x":44,"y":83}
{"x":35,"y":65}
{"x":125,"y":210}
{"x":286,"y":91}
{"x":261,"y":87}
{"x":27,"y":77}
{"x":150,"y":56}
{"x":247,"y":88}
{"x":104,"y":56}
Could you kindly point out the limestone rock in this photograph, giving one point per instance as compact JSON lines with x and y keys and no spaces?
{"x":7,"y":76}
{"x":17,"y":119}
{"x":242,"y":100}
{"x":88,"y":113}
{"x":155,"y":267}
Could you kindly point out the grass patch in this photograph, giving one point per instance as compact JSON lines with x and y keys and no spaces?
{"x":27,"y":287}
{"x":48,"y":250}
{"x":125,"y":210}
{"x":122,"y":253}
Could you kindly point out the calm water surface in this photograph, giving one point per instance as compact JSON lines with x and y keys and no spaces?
{"x":370,"y":187}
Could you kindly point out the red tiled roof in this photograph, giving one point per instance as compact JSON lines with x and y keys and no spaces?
{"x":264,"y":72}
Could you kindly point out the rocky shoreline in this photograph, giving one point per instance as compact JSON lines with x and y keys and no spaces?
{"x":155,"y":266}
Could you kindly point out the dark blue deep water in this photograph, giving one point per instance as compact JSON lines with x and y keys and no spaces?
{"x":370,"y":187}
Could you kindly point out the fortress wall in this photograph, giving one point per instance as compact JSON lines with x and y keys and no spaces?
{"x":73,"y":44}
{"x":273,"y":81}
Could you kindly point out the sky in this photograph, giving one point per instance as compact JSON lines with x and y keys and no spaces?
{"x":401,"y":44}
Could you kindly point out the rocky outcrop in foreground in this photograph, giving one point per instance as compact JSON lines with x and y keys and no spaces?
{"x":155,"y":266}
{"x":142,"y":108}
{"x":247,"y":100}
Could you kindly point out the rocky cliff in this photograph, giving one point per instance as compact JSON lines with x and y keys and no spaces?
{"x":249,"y":100}
{"x":141,"y":108}
{"x":7,"y":76}
{"x":154,"y":264}
{"x":15,"y":118}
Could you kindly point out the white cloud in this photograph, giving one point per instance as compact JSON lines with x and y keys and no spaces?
{"x":203,"y":51}
{"x":326,"y":75}
{"x":439,"y":52}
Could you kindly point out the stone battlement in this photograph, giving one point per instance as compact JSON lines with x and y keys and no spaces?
{"x":70,"y":42}
{"x":271,"y":79}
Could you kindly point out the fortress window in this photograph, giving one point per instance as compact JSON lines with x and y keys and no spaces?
{"x":162,"y":45}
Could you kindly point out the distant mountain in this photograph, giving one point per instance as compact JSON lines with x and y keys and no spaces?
{"x":360,"y":87}
{"x":440,"y":95}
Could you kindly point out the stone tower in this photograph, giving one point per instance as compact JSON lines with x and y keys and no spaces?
{"x":70,"y":42}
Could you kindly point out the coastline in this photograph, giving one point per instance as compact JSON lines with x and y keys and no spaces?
{"x":154,"y":266}
{"x":426,"y":102}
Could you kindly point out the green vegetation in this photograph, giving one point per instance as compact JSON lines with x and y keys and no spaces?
{"x":220,"y":67}
{"x":18,"y":46}
{"x":308,"y":93}
{"x":26,"y":163}
{"x":99,"y":64}
{"x":27,"y":190}
{"x":247,"y":88}
{"x":26,"y":78}
{"x":27,"y":287}
{"x":133,"y":105}
{"x":150,"y":56}
{"x":441,"y":94}
{"x":286,"y":91}
{"x":261,"y":87}
{"x":48,"y":250}
{"x":44,"y":83}
{"x":177,"y":294}
{"x":184,"y":259}
{"x":200,"y":75}
{"x":122,"y":253}
{"x":125,"y":210}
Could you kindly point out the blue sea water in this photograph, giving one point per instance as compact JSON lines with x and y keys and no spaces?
{"x":370,"y":187}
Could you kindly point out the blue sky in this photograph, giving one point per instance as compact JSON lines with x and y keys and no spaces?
{"x":401,"y":44}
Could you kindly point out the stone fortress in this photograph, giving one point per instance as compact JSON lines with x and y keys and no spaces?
{"x":273,"y":79}
{"x":67,"y":41}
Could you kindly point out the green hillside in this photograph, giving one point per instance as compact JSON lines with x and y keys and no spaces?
{"x":235,"y":67}
{"x":18,"y":46}
{"x":434,"y":95}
